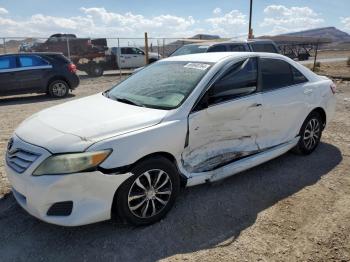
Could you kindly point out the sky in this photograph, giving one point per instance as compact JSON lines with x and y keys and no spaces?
{"x":164,"y":18}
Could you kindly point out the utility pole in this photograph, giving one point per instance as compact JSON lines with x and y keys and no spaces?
{"x":250,"y":30}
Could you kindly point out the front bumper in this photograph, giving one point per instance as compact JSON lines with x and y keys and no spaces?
{"x":92,"y":194}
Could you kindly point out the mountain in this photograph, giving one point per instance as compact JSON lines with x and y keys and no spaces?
{"x":332,"y":33}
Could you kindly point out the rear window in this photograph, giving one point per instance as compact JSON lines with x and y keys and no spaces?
{"x":275,"y":74}
{"x":236,"y":48}
{"x":266,"y":48}
{"x":7,"y":62}
{"x":218,"y":48}
{"x":190,"y":49}
{"x":29,"y":61}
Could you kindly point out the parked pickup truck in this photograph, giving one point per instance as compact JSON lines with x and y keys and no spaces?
{"x":69,"y":44}
{"x":115,"y":58}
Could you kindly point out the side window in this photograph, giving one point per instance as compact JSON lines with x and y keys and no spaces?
{"x":123,"y":51}
{"x":298,"y":77}
{"x":137,"y":51}
{"x":275,"y":74}
{"x":236,"y":48}
{"x":7,"y":62}
{"x":30,"y":61}
{"x":240,"y":80}
{"x":266,"y":48}
{"x":217,"y":48}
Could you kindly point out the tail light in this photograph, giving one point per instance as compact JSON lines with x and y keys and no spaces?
{"x":72,"y":68}
{"x":333,"y":88}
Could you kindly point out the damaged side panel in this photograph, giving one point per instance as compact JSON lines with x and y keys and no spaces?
{"x":222,"y":133}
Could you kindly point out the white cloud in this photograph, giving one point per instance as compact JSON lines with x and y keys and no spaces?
{"x":346,"y":23}
{"x":3,"y":11}
{"x":282,"y":19}
{"x":97,"y":21}
{"x":229,"y":24}
{"x":217,"y":11}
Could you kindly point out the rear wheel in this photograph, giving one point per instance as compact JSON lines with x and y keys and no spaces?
{"x":95,"y":70}
{"x":150,"y":193}
{"x":310,"y":134}
{"x":58,"y":89}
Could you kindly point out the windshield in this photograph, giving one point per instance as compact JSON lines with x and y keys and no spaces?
{"x":163,"y":85}
{"x":190,"y":49}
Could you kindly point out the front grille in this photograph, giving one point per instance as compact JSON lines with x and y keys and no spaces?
{"x":20,"y":160}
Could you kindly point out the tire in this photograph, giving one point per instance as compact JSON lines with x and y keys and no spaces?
{"x":58,"y":89}
{"x":140,"y":202}
{"x":95,"y":70}
{"x":310,"y":134}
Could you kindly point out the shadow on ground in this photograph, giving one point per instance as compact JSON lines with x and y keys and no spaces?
{"x":202,"y":217}
{"x":29,"y":99}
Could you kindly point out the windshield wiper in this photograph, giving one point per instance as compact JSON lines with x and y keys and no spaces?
{"x":127,"y":101}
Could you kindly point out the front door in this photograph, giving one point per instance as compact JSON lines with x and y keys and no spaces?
{"x":228,"y":126}
{"x":8,"y":80}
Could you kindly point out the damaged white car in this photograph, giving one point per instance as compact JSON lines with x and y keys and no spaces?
{"x":185,"y":120}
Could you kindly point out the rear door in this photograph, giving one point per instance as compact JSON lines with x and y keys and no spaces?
{"x":284,"y":101}
{"x":8,"y":80}
{"x":32,"y":71}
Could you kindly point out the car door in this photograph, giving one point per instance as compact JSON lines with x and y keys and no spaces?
{"x":225,"y":123}
{"x":126,"y":57}
{"x":32,"y":69}
{"x":284,"y":102}
{"x":138,"y":57}
{"x":8,"y":80}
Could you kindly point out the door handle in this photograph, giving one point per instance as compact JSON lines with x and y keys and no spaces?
{"x":256,"y":105}
{"x":308,"y":91}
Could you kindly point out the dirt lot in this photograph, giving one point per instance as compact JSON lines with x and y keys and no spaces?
{"x":290,"y":209}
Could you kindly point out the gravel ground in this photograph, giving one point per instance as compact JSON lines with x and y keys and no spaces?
{"x":293,"y":208}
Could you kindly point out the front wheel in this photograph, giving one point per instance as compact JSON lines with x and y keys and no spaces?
{"x":150,"y":193}
{"x":310,"y":134}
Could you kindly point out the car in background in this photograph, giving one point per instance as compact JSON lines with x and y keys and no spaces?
{"x":252,"y":45}
{"x":133,"y":57}
{"x":50,"y":73}
{"x":184,"y":120}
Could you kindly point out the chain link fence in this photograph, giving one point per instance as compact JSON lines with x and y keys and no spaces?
{"x":93,"y":56}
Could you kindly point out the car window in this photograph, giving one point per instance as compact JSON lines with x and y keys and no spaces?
{"x":162,"y":85}
{"x":267,"y":48}
{"x":275,"y":73}
{"x":30,"y":61}
{"x":137,"y":51}
{"x":240,"y":80}
{"x":126,"y":50}
{"x":298,"y":77}
{"x":217,"y":48}
{"x":190,"y":49}
{"x":7,"y":62}
{"x":236,"y":48}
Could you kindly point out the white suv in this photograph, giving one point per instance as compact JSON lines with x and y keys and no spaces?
{"x":185,"y":120}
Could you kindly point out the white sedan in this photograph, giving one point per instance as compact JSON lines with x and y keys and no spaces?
{"x":182,"y":121}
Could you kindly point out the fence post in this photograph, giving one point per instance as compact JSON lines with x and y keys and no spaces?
{"x":119,"y":51}
{"x":68,"y":50}
{"x":146,"y":48}
{"x":313,"y":69}
{"x":4,"y":45}
{"x":163,"y":47}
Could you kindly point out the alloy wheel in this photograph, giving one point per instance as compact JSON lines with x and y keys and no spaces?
{"x":312,"y":133}
{"x":150,"y":193}
{"x":59,"y":89}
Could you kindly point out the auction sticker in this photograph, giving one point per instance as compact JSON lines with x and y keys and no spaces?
{"x":199,"y":66}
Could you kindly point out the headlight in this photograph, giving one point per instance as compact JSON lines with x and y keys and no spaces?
{"x":71,"y":163}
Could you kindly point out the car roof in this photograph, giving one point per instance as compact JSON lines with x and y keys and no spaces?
{"x":33,"y":53}
{"x":211,"y":43}
{"x":214,"y":57}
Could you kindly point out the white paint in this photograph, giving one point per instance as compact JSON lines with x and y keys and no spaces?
{"x":216,"y":135}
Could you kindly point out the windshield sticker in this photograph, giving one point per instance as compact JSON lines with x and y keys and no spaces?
{"x":198,"y":66}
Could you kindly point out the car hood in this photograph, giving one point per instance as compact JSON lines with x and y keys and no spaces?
{"x":75,"y":125}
